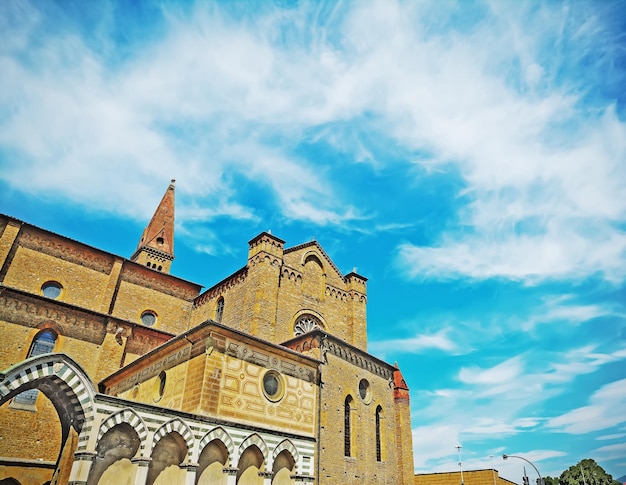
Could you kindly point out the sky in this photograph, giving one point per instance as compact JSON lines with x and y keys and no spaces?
{"x":467,"y":157}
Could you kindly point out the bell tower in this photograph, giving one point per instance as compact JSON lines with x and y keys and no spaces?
{"x":156,"y":246}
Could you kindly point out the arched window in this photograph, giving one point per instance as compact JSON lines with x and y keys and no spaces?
{"x":379,"y":455}
{"x":219,"y":309}
{"x":347,"y":429}
{"x":305,"y":323}
{"x":43,"y":343}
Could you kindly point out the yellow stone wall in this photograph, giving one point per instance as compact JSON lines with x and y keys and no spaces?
{"x":265,"y":298}
{"x":341,"y":379}
{"x":470,"y":477}
{"x":172,"y":313}
{"x":225,"y":386}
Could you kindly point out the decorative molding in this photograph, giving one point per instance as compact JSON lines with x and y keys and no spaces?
{"x":67,"y":250}
{"x":219,"y":289}
{"x":162,"y":282}
{"x":145,"y":373}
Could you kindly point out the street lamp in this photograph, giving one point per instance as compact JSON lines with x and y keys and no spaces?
{"x":504,"y":457}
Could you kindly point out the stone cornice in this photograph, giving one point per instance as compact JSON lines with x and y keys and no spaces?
{"x":342,"y":349}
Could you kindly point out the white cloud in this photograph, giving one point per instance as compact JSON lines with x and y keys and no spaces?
{"x":506,"y":371}
{"x":438,"y":341}
{"x":607,"y":408}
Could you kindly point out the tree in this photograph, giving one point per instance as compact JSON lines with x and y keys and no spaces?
{"x":586,"y":472}
{"x":551,"y":481}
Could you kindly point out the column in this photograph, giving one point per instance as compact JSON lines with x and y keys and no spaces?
{"x":267,"y":477}
{"x":142,"y":469}
{"x":190,"y":472}
{"x":232,"y":475}
{"x":81,"y":466}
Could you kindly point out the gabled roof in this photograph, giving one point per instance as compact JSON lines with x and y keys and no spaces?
{"x":320,"y":249}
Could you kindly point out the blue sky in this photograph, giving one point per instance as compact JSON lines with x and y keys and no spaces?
{"x":469,"y":158}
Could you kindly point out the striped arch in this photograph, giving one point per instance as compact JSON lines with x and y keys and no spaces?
{"x":128,"y":416}
{"x":222,"y":435}
{"x":289,"y":446}
{"x":63,"y":381}
{"x":178,"y":426}
{"x":254,"y":439}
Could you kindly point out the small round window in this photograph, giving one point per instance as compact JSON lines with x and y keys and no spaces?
{"x":365,"y":392}
{"x":148,"y":318}
{"x":273,"y":386}
{"x":51,"y":289}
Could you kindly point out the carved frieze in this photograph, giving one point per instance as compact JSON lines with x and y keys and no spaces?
{"x":67,"y":250}
{"x":140,"y":276}
{"x":31,"y":311}
{"x":221,"y":288}
{"x":142,"y":374}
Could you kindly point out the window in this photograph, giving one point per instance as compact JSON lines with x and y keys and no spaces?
{"x":347,"y":442}
{"x":159,"y":387}
{"x":379,"y":410}
{"x":273,"y":386}
{"x":43,"y":343}
{"x":305,"y":323}
{"x":51,"y":289}
{"x":148,"y":318}
{"x":365,"y":392}
{"x":219,"y":309}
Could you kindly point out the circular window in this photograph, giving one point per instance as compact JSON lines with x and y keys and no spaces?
{"x":159,"y":387}
{"x":273,"y":386}
{"x":51,"y":289}
{"x":148,"y":318}
{"x":365,"y":392}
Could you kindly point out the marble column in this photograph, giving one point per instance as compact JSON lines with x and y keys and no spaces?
{"x":81,"y":466}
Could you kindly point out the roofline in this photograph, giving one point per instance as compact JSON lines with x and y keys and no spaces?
{"x":95,"y":248}
{"x":181,"y":338}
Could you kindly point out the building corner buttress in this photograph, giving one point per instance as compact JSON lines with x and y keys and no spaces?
{"x":404,"y":435}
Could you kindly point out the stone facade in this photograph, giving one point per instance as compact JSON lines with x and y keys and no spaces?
{"x":487,"y":476}
{"x":264,"y":378}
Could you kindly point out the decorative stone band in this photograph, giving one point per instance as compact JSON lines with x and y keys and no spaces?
{"x":303,"y":478}
{"x":230,"y":471}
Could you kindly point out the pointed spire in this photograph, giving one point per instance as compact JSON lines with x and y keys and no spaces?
{"x":156,"y":247}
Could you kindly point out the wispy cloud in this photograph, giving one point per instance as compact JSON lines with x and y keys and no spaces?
{"x":607,"y":407}
{"x":437,"y":341}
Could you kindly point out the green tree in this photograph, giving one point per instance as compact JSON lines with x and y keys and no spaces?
{"x":551,"y":481}
{"x":586,"y":472}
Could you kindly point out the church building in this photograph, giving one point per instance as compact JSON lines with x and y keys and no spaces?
{"x":114,"y":371}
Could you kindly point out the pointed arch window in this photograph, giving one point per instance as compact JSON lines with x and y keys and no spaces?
{"x":379,"y":455}
{"x":347,"y":427}
{"x":43,"y":343}
{"x":219,"y":309}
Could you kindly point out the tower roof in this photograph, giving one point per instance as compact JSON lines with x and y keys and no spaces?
{"x":159,"y":234}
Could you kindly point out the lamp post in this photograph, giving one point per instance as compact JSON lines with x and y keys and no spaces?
{"x":458,"y":448}
{"x":504,"y":457}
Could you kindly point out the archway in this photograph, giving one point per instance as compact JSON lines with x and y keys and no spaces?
{"x":113,"y":453}
{"x":211,"y":464}
{"x":167,"y":455}
{"x":250,"y":464}
{"x":66,"y":385}
{"x":284,"y":467}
